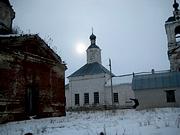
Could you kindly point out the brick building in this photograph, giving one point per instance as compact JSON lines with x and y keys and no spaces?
{"x":32,"y":76}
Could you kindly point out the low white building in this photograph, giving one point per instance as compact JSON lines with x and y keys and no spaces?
{"x":122,"y":92}
{"x":157,"y":89}
{"x":89,"y":86}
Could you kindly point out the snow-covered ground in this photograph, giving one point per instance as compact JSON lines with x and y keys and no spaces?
{"x":164,"y":121}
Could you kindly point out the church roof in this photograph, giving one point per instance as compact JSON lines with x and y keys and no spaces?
{"x":156,"y":81}
{"x":93,"y":46}
{"x":90,"y":69}
{"x":31,"y":44}
{"x":92,"y":37}
{"x":171,"y":19}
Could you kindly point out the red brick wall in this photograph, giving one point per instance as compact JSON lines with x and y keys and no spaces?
{"x":17,"y":75}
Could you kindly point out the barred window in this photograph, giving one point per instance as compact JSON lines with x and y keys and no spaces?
{"x":96,"y":97}
{"x":86,"y":98}
{"x":170,"y":96}
{"x":116,"y":99}
{"x":76,"y":99}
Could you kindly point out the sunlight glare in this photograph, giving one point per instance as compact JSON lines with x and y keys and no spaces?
{"x":80,"y":48}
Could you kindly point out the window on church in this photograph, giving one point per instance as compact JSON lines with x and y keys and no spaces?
{"x":170,"y":96}
{"x":177,"y":33}
{"x":76,"y":99}
{"x":86,"y":98}
{"x":177,"y":37}
{"x":96,"y":97}
{"x":116,"y":99}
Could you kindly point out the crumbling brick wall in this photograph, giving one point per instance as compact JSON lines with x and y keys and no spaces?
{"x":24,"y":70}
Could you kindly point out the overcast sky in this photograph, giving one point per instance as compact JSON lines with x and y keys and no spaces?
{"x":130,"y":32}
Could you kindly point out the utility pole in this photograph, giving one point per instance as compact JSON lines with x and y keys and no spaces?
{"x":111,"y":83}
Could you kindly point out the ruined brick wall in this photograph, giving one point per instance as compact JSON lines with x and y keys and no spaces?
{"x":18,"y":71}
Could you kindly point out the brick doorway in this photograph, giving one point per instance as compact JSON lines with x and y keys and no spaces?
{"x":31,"y":100}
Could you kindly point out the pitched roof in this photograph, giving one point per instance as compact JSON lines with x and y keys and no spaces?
{"x":21,"y":43}
{"x":156,"y":81}
{"x":90,"y":69}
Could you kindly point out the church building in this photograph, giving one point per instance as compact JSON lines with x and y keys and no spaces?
{"x":32,"y":75}
{"x":162,"y":89}
{"x":89,"y":87}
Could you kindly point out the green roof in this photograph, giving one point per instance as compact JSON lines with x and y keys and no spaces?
{"x":171,"y":19}
{"x":90,"y":69}
{"x":156,"y":81}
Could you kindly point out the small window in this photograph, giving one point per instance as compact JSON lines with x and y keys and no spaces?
{"x":170,"y":96}
{"x":96,"y":97}
{"x":76,"y":99}
{"x":86,"y":98}
{"x":116,"y":100}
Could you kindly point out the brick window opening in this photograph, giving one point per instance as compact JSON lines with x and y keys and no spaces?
{"x":116,"y":99}
{"x":96,"y":97}
{"x":170,"y":96}
{"x":86,"y":98}
{"x":76,"y":99}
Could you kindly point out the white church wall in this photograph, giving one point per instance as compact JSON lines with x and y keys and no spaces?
{"x":124,"y":91}
{"x":87,"y":84}
{"x":94,"y":55}
{"x":153,"y":98}
{"x":68,"y":97}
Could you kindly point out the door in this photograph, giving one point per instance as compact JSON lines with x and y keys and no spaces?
{"x":31,"y":100}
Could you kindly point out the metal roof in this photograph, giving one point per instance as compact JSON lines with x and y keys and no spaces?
{"x":156,"y":81}
{"x":93,"y":46}
{"x":90,"y":69}
{"x":171,"y":19}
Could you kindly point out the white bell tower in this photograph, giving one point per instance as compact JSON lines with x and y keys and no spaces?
{"x":172,"y":26}
{"x":93,"y":51}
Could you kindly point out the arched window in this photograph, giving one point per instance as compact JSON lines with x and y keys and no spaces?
{"x":177,"y":33}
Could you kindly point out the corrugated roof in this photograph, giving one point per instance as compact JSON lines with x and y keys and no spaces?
{"x":156,"y":81}
{"x":90,"y":69}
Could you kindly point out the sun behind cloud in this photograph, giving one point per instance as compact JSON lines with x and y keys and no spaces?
{"x":80,"y":48}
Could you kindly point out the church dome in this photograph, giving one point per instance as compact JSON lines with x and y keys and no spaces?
{"x":92,"y":37}
{"x":175,"y":5}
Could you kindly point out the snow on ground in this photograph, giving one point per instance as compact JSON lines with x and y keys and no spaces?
{"x":164,"y":121}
